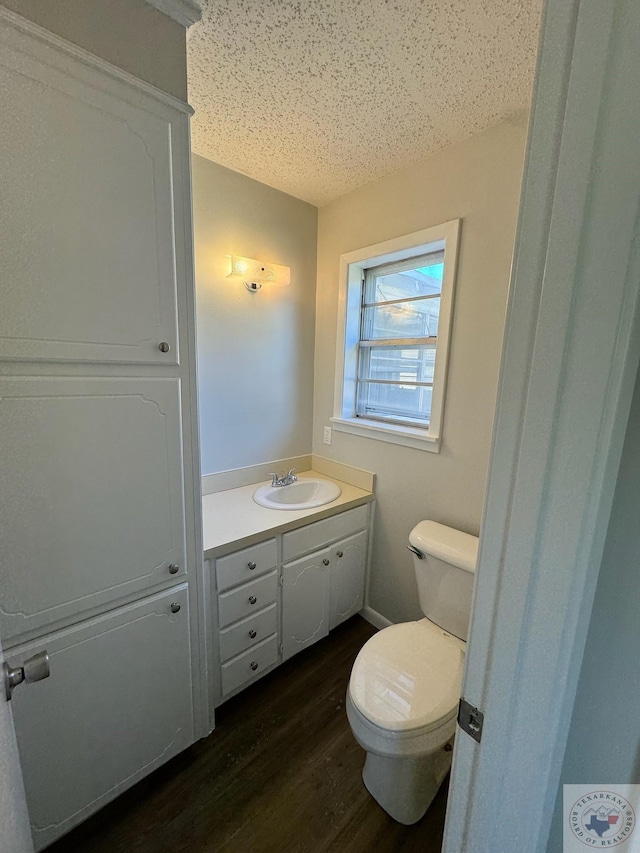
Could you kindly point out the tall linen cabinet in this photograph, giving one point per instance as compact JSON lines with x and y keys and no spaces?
{"x":100,"y":537}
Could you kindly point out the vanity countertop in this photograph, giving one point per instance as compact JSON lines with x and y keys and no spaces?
{"x":232,"y":517}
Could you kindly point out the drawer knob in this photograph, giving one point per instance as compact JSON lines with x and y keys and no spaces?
{"x":174,"y":568}
{"x":252,"y":599}
{"x":175,"y":607}
{"x":339,"y":553}
{"x":163,"y":346}
{"x":252,"y":634}
{"x":251,"y":565}
{"x":254,"y":665}
{"x":325,"y":562}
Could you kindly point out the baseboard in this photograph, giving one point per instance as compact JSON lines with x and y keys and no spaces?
{"x":374,"y":618}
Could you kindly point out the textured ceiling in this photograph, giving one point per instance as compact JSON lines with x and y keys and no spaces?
{"x":318,"y":97}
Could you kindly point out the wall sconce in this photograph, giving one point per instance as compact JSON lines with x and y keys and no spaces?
{"x":256,"y":273}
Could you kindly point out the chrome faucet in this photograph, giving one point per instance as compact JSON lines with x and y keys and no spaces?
{"x":283,"y":479}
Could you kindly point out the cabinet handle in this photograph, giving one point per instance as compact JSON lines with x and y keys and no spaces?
{"x":252,"y":599}
{"x":251,"y":565}
{"x":325,"y":562}
{"x":252,"y":634}
{"x":339,"y":553}
{"x":254,"y":665}
{"x":175,"y":607}
{"x":174,"y":568}
{"x":163,"y":346}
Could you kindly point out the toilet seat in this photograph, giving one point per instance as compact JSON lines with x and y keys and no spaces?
{"x":408,"y":677}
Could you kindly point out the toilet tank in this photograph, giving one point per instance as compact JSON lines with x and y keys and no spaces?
{"x":445,"y":564}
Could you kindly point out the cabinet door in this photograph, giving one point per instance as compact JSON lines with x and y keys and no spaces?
{"x":348,"y":565}
{"x":305,"y":602}
{"x":89,"y":246}
{"x":92,"y":497}
{"x":116,"y":705}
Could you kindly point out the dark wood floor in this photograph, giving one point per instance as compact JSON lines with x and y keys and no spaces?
{"x":280,"y":774}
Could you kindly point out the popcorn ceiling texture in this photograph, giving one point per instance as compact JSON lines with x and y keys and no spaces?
{"x":318,"y":97}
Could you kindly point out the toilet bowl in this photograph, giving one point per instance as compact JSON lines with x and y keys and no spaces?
{"x":404,"y":688}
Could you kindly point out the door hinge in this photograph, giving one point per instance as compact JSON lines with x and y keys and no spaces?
{"x":281,"y":580}
{"x":470,"y":719}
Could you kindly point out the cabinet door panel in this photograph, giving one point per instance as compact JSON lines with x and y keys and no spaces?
{"x":117,"y":704}
{"x":87,"y":214}
{"x":305,"y":602}
{"x":348,"y":565}
{"x":91,"y":498}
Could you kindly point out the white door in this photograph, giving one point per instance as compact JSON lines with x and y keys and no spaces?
{"x":14,"y":819}
{"x":570,"y":359}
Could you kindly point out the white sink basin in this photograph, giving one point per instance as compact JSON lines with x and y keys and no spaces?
{"x":303,"y":494}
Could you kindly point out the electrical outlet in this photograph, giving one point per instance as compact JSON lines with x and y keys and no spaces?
{"x":327,"y":435}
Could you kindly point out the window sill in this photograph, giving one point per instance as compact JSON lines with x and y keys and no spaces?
{"x":392,"y":433}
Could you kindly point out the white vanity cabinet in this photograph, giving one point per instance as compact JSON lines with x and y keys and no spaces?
{"x":326,"y":587}
{"x":283,"y":594}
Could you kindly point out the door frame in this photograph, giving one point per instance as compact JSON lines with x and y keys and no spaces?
{"x":15,"y":830}
{"x":562,"y":412}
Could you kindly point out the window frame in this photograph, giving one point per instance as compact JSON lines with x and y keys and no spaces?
{"x":353,"y":265}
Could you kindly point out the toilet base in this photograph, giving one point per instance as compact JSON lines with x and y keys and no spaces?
{"x":405,"y":787}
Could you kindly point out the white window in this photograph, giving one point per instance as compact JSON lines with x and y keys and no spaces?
{"x":394,"y":323}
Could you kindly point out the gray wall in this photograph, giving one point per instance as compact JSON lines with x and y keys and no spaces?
{"x":255,"y":350}
{"x":128,"y":33}
{"x":604,"y":738}
{"x":479,"y":181}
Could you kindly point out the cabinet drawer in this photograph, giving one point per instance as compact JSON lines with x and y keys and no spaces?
{"x":323,"y":532}
{"x":248,"y":633}
{"x":247,"y":599}
{"x":249,"y":664}
{"x":246,"y":564}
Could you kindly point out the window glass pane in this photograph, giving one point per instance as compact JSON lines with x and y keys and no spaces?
{"x":396,"y":364}
{"x":424,"y":281}
{"x":414,"y":319}
{"x":404,"y":402}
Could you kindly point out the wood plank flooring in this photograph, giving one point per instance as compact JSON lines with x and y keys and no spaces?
{"x":280,"y":774}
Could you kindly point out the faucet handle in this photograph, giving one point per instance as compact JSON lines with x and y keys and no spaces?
{"x":277,"y":480}
{"x":291,"y":477}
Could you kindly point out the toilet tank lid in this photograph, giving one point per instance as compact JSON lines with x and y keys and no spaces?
{"x":445,"y":543}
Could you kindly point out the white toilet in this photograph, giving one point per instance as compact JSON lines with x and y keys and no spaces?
{"x":404,"y":689}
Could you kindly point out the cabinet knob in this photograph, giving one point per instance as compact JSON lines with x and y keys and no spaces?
{"x":174,"y":568}
{"x":175,"y":607}
{"x":252,"y":599}
{"x":252,"y":634}
{"x":254,"y":665}
{"x":325,"y":562}
{"x":33,"y":669}
{"x":251,"y":565}
{"x":339,"y":553}
{"x":163,"y":346}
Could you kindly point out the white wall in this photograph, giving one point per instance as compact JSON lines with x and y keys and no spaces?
{"x":604,"y":738}
{"x":128,"y":33}
{"x":478,"y":181}
{"x":255,"y":350}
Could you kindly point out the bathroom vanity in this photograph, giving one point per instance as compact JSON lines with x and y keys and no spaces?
{"x":279,"y":580}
